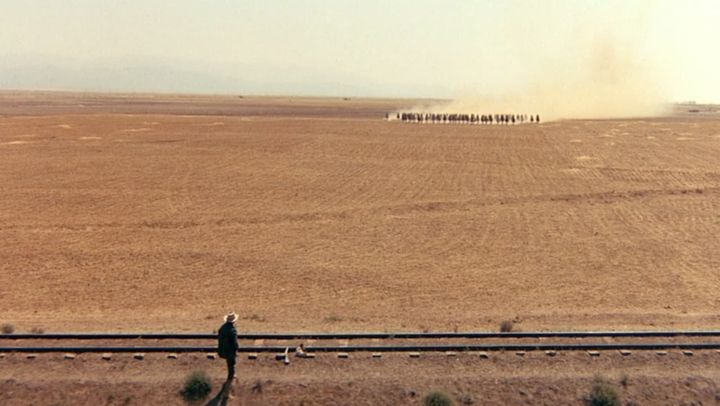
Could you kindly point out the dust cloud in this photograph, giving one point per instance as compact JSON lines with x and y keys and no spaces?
{"x":606,"y":86}
{"x":584,"y":69}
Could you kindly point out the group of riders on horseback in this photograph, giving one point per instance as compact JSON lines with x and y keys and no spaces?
{"x":445,"y":118}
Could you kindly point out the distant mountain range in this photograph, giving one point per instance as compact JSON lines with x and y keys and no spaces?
{"x":149,"y":79}
{"x":167,"y":76}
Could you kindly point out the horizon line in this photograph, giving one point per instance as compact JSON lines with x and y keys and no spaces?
{"x":267,"y":95}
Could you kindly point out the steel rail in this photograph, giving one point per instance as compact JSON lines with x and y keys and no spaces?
{"x":353,"y":336}
{"x":372,"y":348}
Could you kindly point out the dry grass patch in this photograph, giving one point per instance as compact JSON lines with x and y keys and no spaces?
{"x":438,"y":398}
{"x":197,"y":386}
{"x":603,"y":393}
{"x":507,"y":326}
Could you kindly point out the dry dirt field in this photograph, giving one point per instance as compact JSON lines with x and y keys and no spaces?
{"x":161,"y":213}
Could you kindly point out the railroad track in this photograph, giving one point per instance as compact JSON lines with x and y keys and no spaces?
{"x":355,"y":336}
{"x":395,"y":342}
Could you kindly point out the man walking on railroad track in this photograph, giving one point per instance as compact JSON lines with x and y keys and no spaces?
{"x":227,"y":343}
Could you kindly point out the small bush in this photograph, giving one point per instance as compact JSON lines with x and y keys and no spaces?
{"x":255,"y":317}
{"x":197,"y":386}
{"x":603,"y":394}
{"x":506,"y":326}
{"x":7,"y":328}
{"x":37,"y":330}
{"x":437,"y":398}
{"x":467,"y":400}
{"x":257,"y":387}
{"x":333,"y":319}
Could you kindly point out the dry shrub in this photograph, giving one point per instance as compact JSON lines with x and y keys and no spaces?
{"x":197,"y":386}
{"x":437,"y":398}
{"x":333,"y":319}
{"x":506,"y":326}
{"x":7,"y":328}
{"x":603,"y":393}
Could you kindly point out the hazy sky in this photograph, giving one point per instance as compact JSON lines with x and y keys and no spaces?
{"x":370,"y":47}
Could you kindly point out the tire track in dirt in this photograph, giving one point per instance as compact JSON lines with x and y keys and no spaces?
{"x":678,"y":237}
{"x":394,"y":209}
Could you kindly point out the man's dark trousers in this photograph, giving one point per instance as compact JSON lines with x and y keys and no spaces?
{"x":231,"y":366}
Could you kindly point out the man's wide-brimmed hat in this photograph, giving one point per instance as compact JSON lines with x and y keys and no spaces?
{"x":231,"y":317}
